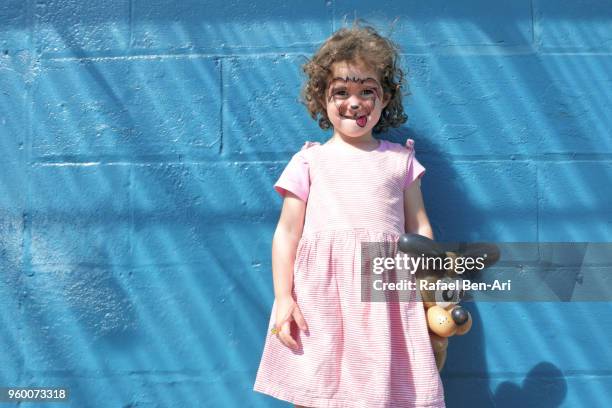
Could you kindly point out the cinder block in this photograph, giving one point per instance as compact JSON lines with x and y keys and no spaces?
{"x":570,"y":26}
{"x":13,"y":112}
{"x":526,"y":369}
{"x":81,"y":27}
{"x":545,"y":385}
{"x":225,"y":190}
{"x":11,"y":239}
{"x":468,"y":105}
{"x":233,"y":26}
{"x":185,"y":315}
{"x":168,"y":320}
{"x":12,"y":357}
{"x":72,"y":316}
{"x":262,"y":114}
{"x":14,"y":32}
{"x":573,"y":116}
{"x":421,"y":25}
{"x":510,"y":105}
{"x":150,"y":389}
{"x":574,"y":70}
{"x":99,"y":388}
{"x":465,"y":117}
{"x":518,"y":68}
{"x":80,"y":214}
{"x":232,"y":272}
{"x":471,"y":201}
{"x":574,"y":202}
{"x":126,"y":109}
{"x":588,"y":389}
{"x":13,"y":187}
{"x":455,"y":394}
{"x":179,"y":210}
{"x":501,"y":322}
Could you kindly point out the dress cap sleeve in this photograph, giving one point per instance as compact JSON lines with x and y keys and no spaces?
{"x":414,"y":169}
{"x":296,"y":175}
{"x":308,"y":144}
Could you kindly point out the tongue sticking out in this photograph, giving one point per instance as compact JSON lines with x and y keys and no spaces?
{"x":361,"y":121}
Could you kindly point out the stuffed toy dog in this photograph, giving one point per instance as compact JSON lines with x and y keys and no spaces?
{"x":439,"y":284}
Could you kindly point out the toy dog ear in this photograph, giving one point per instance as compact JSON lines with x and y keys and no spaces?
{"x":418,"y":244}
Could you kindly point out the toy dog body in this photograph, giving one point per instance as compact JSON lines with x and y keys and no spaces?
{"x":440,"y":289}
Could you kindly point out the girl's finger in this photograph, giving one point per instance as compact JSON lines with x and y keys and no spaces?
{"x":299,"y":319}
{"x":286,"y":317}
{"x":285,"y":336}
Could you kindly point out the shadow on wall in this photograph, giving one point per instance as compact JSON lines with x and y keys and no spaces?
{"x":544,"y":386}
{"x":466,"y":375}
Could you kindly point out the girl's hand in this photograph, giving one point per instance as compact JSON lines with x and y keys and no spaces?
{"x":287,"y":310}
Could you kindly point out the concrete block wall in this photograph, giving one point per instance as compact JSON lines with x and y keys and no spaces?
{"x":140,"y":141}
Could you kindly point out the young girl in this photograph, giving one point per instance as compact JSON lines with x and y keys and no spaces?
{"x":327,"y":348}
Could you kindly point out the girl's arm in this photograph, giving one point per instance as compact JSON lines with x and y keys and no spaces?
{"x":415,"y":215}
{"x":284,"y":244}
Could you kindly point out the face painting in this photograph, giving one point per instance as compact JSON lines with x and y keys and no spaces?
{"x":355,"y":98}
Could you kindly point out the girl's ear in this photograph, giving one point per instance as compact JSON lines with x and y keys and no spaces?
{"x":322,"y":101}
{"x":386,"y":100}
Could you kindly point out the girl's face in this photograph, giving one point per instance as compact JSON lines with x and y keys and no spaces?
{"x":354,"y":99}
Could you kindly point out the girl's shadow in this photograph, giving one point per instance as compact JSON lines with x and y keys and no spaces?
{"x":544,"y":386}
{"x":454,"y":218}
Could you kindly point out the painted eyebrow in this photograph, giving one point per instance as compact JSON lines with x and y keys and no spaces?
{"x":354,"y":79}
{"x":336,"y":88}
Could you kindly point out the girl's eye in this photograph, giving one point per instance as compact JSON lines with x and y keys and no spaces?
{"x":368,"y":92}
{"x":343,"y":93}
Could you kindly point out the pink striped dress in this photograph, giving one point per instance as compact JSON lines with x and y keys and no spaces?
{"x":357,"y":354}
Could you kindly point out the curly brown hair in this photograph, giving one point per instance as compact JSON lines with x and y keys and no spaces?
{"x":360,"y":45}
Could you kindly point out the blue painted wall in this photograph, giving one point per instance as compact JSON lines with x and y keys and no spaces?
{"x":140,"y":140}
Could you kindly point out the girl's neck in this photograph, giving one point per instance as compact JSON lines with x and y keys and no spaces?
{"x":360,"y":141}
